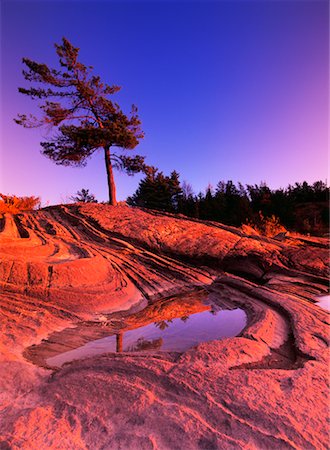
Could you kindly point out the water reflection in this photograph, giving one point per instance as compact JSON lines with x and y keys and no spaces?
{"x":177,"y":334}
{"x":171,"y":324}
{"x":119,"y":342}
{"x":162,"y":325}
{"x":144,"y":345}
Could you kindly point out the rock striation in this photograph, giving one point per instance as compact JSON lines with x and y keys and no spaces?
{"x":70,"y":265}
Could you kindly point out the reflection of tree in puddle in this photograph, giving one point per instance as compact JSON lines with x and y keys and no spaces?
{"x":161,"y":312}
{"x":119,"y":342}
{"x":143,"y":344}
{"x":163,"y":324}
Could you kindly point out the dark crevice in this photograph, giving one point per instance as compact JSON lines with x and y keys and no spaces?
{"x":21,"y":230}
{"x":249,"y":277}
{"x":50,"y":274}
{"x":2,"y":223}
{"x":324,"y":341}
{"x":48,"y":227}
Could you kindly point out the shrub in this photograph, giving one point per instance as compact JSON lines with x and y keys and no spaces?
{"x":13,"y":204}
{"x":267,"y":226}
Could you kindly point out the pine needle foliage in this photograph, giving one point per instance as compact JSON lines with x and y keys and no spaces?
{"x":158,"y":191}
{"x":83,"y":196}
{"x":77,"y":106}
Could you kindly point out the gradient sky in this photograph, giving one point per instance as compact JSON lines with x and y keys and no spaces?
{"x":225,"y":89}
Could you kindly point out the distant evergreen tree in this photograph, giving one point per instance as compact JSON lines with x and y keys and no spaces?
{"x":260,"y":198}
{"x":82,"y":115}
{"x":188,"y":204}
{"x":232,"y":205}
{"x":175,"y":190}
{"x":301,"y":207}
{"x":157,"y":191}
{"x":84,"y":196}
{"x":207,"y":205}
{"x":321,"y":191}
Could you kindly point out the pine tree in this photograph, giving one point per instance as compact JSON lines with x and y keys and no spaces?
{"x":157,"y":191}
{"x":84,"y":196}
{"x":76,"y":104}
{"x":175,"y":190}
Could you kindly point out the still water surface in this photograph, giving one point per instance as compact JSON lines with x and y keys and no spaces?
{"x":176,"y":334}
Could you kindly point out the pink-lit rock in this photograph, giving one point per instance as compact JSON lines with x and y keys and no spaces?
{"x":266,"y":388}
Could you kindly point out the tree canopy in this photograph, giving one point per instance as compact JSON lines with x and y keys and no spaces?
{"x":157,"y":191}
{"x":301,"y":207}
{"x":76,"y":105}
{"x":83,"y":196}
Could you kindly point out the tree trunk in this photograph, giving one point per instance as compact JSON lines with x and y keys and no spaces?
{"x":111,"y":180}
{"x":119,"y":342}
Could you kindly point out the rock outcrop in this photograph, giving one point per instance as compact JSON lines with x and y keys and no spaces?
{"x":66,"y":266}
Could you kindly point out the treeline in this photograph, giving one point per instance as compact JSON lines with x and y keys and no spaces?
{"x":301,"y":207}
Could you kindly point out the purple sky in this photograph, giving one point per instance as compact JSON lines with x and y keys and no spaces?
{"x":225,"y":89}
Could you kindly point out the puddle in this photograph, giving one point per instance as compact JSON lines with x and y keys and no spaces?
{"x":174,"y":324}
{"x":324,"y":302}
{"x":174,"y":335}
